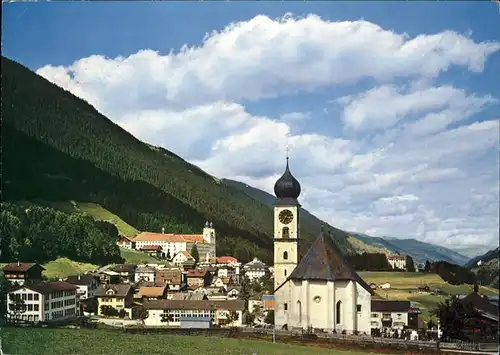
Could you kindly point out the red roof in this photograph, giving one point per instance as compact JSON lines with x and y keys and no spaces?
{"x":124,"y":239}
{"x":173,"y":238}
{"x":19,"y":267}
{"x":226,"y":260}
{"x":151,"y":247}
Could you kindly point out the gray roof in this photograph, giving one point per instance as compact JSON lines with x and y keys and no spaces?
{"x":121,"y":290}
{"x":81,"y":279}
{"x":325,"y":261}
{"x":255,"y":264}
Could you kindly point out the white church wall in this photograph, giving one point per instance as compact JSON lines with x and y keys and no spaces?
{"x":342,"y":295}
{"x":364,"y":317}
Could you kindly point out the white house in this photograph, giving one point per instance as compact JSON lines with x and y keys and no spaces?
{"x":43,"y":302}
{"x":183,"y":257}
{"x":170,"y":312}
{"x":145,"y":273}
{"x":393,"y":315}
{"x":87,"y":284}
{"x":255,"y":269}
{"x":175,"y":243}
{"x":321,"y":290}
{"x":397,"y":261}
{"x":385,"y":286}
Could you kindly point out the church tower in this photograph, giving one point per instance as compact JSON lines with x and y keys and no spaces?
{"x":286,"y":240}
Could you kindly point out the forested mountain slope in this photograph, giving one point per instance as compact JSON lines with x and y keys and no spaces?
{"x":72,"y":152}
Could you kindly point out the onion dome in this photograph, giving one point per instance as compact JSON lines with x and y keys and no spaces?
{"x":287,"y":187}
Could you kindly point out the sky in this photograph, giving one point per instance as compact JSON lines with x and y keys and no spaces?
{"x":390,"y":110}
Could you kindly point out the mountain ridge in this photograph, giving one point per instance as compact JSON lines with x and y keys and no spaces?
{"x":73,"y":152}
{"x":419,"y":251}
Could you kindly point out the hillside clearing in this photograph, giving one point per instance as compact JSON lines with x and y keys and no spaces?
{"x":136,"y":257}
{"x":94,"y":210}
{"x":64,"y":267}
{"x":33,"y":341}
{"x":404,"y":287}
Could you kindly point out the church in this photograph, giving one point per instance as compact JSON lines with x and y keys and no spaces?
{"x":320,"y":290}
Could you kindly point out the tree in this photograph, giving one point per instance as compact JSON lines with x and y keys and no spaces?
{"x":122,"y":313}
{"x":194,"y":253}
{"x":430,"y":324}
{"x":269,"y":317}
{"x":142,"y":313}
{"x":169,"y":257}
{"x":109,"y":311}
{"x":245,"y":290}
{"x":89,"y":305}
{"x":5,"y":287}
{"x":451,"y":314}
{"x":232,"y":317}
{"x":427,"y":267}
{"x":410,"y":265}
{"x":16,"y":306}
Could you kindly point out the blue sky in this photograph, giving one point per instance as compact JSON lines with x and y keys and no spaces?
{"x":370,"y":97}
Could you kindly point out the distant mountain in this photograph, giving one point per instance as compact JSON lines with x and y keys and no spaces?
{"x":419,"y":251}
{"x":490,"y":255}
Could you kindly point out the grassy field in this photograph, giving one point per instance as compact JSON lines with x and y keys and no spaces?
{"x":95,"y":211}
{"x":20,"y":341}
{"x":63,"y":267}
{"x":404,"y":287}
{"x":137,"y":257}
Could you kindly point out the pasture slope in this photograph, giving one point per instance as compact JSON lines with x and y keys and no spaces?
{"x":40,"y":341}
{"x":404,"y":287}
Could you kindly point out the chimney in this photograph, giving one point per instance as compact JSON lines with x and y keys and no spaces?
{"x":162,"y":230}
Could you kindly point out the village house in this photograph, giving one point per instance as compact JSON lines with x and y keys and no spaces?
{"x":183,"y":258}
{"x":187,"y":296}
{"x":21,"y":273}
{"x":255,"y":304}
{"x":126,"y":272}
{"x":155,"y":251}
{"x":175,"y":243}
{"x":172,"y":312}
{"x":393,"y":315}
{"x":172,"y":277}
{"x":397,"y":262}
{"x":145,"y":273}
{"x":233,"y":292}
{"x":198,"y":278}
{"x":117,"y":296}
{"x":87,"y":284}
{"x":126,"y":242}
{"x":150,"y":293}
{"x":48,"y":301}
{"x":255,"y":269}
{"x":108,"y":277}
{"x":268,"y":302}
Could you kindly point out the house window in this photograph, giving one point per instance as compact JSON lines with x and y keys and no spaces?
{"x":285,"y":255}
{"x":358,"y":307}
{"x":285,"y":232}
{"x":374,"y":315}
{"x":285,"y":306}
{"x":35,"y":296}
{"x":338,"y":312}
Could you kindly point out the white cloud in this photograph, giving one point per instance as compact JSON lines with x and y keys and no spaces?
{"x":406,"y":155}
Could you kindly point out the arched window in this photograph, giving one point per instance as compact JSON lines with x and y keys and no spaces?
{"x":285,"y":255}
{"x":285,"y":272}
{"x":285,"y":232}
{"x":299,"y":311}
{"x":338,"y":312}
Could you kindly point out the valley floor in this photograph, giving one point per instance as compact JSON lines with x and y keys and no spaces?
{"x":404,"y":287}
{"x":37,"y":341}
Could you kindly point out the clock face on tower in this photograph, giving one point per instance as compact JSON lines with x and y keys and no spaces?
{"x":286,"y":216}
